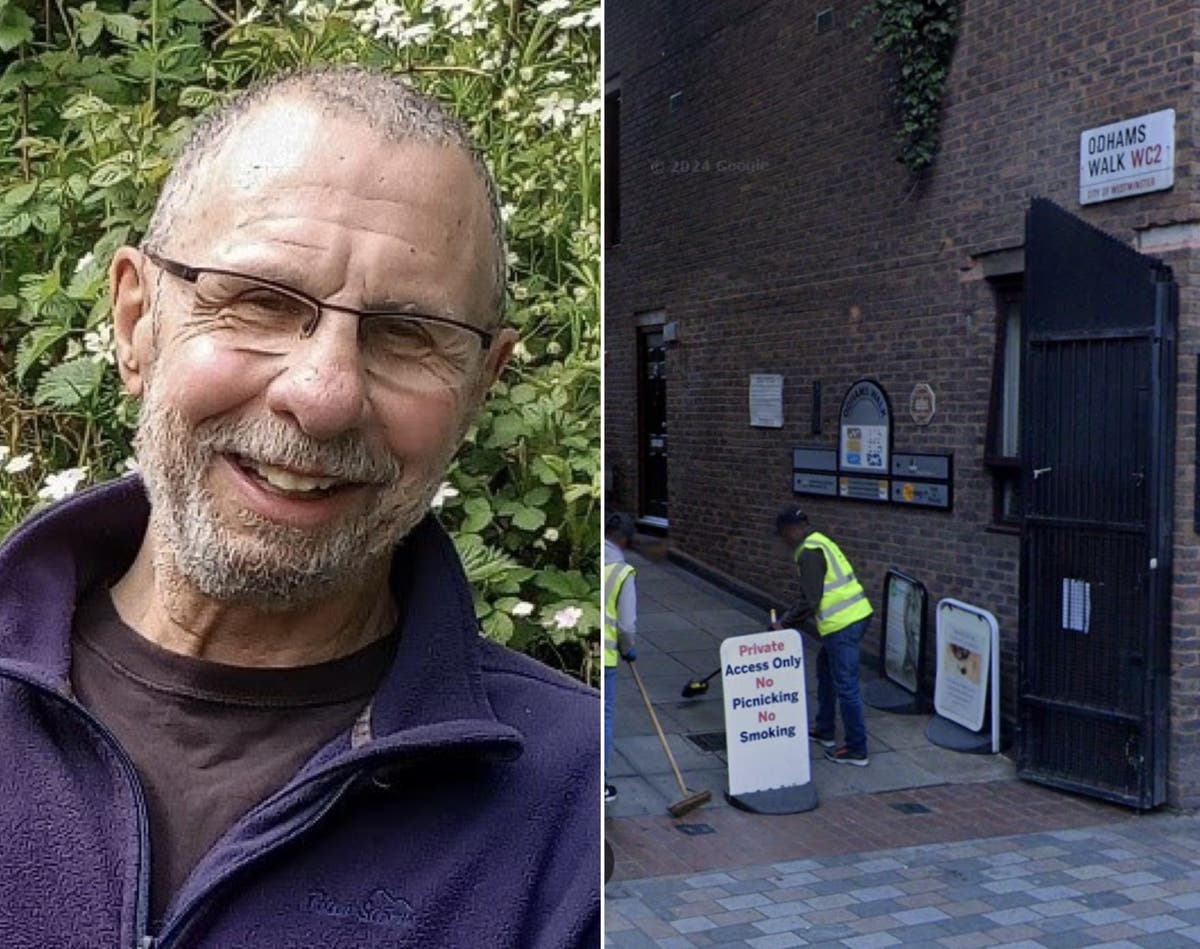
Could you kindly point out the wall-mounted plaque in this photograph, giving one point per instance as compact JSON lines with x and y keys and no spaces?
{"x":865,"y":431}
{"x":922,"y":404}
{"x":766,"y":400}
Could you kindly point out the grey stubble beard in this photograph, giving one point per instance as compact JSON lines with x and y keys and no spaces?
{"x":256,"y":561}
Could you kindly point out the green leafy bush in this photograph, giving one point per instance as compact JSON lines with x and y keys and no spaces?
{"x":95,"y":99}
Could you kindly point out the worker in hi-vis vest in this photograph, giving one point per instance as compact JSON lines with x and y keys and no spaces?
{"x":620,"y":620}
{"x":832,"y":604}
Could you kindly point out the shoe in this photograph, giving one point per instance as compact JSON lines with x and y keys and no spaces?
{"x":610,"y":793}
{"x":825,"y":741}
{"x":844,"y":755}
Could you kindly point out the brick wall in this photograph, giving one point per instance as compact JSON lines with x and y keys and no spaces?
{"x":766,"y":215}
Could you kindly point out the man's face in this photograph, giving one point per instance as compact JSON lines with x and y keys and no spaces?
{"x":277,"y":475}
{"x":792,"y":534}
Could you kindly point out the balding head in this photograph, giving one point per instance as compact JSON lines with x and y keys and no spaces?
{"x":382,"y":102}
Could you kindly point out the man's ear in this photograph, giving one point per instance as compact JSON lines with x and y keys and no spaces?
{"x":502,"y":350}
{"x":131,"y":318}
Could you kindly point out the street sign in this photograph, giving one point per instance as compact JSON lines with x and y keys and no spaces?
{"x":1126,"y":158}
{"x":766,"y":722}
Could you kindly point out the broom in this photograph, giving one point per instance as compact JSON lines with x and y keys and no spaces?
{"x":690,"y":801}
{"x":696,"y":687}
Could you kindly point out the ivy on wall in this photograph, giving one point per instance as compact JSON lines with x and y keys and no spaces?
{"x":919,"y":35}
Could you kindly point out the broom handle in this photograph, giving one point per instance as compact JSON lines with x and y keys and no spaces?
{"x":658,"y":728}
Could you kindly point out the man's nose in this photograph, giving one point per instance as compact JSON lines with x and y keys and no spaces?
{"x":324,"y":388}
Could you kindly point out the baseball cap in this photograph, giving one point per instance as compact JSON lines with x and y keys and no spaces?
{"x":620,"y":523}
{"x":792,"y":514}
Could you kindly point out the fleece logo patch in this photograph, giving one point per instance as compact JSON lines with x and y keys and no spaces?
{"x":380,"y":907}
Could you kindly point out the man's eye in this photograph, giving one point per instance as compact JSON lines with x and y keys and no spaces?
{"x":263,"y":302}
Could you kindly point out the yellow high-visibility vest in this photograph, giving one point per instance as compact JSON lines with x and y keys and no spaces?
{"x":843,"y":600}
{"x":615,"y":575}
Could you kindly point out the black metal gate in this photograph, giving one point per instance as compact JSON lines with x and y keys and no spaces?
{"x":1097,"y":433}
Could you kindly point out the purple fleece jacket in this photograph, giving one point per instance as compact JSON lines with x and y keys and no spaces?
{"x":468,"y":815}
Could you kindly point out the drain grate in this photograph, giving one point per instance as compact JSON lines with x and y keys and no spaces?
{"x":708,"y":741}
{"x":912,"y":808}
{"x":695,"y":830}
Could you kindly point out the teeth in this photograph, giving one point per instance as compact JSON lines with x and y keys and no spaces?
{"x":290,"y":481}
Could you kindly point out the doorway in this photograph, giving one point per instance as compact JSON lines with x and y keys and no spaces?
{"x":1097,"y":432}
{"x":652,"y":425}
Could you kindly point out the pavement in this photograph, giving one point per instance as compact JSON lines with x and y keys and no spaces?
{"x":925,"y":847}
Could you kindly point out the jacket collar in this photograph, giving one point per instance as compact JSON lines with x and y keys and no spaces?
{"x":60,"y":552}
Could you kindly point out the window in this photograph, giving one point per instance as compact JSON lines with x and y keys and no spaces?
{"x":612,"y":162}
{"x":1003,"y":455}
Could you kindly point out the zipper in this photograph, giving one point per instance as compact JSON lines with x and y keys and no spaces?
{"x":142,"y":908}
{"x":178,"y":927}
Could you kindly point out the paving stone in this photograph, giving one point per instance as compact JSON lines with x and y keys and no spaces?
{"x":1010,"y":917}
{"x":693,"y":924}
{"x":776,"y":941}
{"x":1158,"y":924}
{"x":871,"y":941}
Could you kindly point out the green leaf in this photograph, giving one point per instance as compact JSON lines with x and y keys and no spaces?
{"x":193,"y":11}
{"x":16,"y":27}
{"x":90,"y":23}
{"x":17,"y":225}
{"x":33,"y":345}
{"x":17,"y":196}
{"x":506,"y":430}
{"x":85,"y":105}
{"x":498,"y":626}
{"x":122,"y":26}
{"x":109,"y":173}
{"x":566,"y":584}
{"x":529,"y":518}
{"x":478,"y":515}
{"x":537,"y":497}
{"x":522,"y":393}
{"x":68,"y":384}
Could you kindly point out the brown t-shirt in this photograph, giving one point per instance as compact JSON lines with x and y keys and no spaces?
{"x":209,"y":741}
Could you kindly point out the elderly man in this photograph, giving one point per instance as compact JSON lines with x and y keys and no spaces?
{"x":244,"y":700}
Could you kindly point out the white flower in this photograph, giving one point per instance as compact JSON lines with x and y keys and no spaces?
{"x":555,"y":109}
{"x":524,"y":608}
{"x":61,"y":483}
{"x":444,"y":493}
{"x":18,"y":463}
{"x":591,"y":107}
{"x":558,"y":75}
{"x":521,"y":352}
{"x":85,"y":261}
{"x":589,"y":18}
{"x":568,"y":618}
{"x":551,"y":534}
{"x":99,"y":342}
{"x":546,"y":7}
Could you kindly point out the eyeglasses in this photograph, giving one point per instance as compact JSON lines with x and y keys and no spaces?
{"x":268,"y":316}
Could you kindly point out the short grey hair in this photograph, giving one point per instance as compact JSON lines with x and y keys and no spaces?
{"x":384,"y":102}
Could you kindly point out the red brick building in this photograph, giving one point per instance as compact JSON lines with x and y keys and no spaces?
{"x":758,"y":223}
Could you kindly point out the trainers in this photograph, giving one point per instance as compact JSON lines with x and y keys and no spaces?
{"x":610,"y":793}
{"x":844,"y":755}
{"x":825,"y":741}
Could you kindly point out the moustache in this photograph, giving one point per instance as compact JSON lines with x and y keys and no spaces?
{"x":271,"y":441}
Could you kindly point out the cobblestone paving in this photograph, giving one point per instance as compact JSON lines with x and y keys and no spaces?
{"x":1135,"y":883}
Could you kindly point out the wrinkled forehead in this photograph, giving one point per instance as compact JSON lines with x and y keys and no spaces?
{"x":295,"y":171}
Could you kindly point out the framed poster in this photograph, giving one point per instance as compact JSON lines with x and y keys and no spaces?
{"x":904,"y":602}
